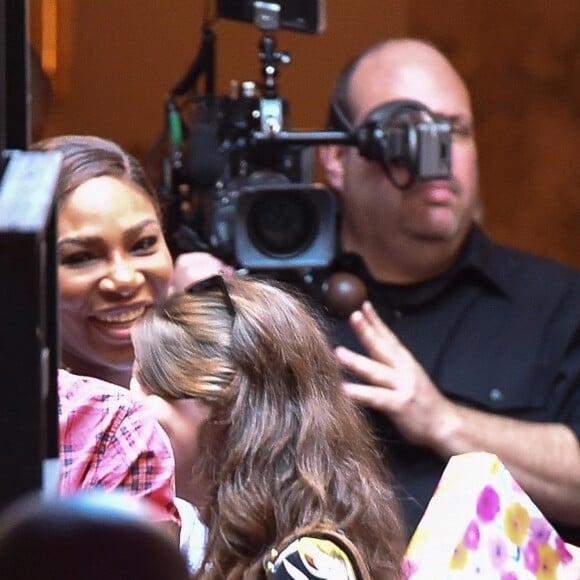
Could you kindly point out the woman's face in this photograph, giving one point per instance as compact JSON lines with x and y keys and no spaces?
{"x":113,"y":264}
{"x":181,"y":419}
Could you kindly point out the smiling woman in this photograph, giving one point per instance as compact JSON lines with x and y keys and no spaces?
{"x":113,"y":262}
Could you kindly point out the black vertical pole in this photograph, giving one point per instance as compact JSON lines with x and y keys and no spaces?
{"x":28,"y":286}
{"x":16,"y":72}
{"x":3,"y":79}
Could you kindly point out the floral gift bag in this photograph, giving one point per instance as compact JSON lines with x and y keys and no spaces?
{"x":481,"y":524}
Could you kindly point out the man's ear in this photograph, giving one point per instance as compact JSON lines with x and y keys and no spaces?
{"x":332,"y":162}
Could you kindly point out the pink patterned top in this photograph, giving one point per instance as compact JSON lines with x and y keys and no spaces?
{"x":109,"y":440}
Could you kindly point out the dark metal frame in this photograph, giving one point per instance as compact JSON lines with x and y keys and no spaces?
{"x":28,"y":285}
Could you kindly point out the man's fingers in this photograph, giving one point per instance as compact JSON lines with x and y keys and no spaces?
{"x":373,"y":372}
{"x":364,"y":395}
{"x":374,"y":319}
{"x":377,"y":338}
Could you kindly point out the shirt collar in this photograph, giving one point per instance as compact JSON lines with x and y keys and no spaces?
{"x":477,"y":261}
{"x":479,"y":254}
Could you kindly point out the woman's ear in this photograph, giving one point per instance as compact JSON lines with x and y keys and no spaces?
{"x":332,"y":162}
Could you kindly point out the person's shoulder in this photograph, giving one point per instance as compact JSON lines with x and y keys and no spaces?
{"x":538,"y":273}
{"x":535,"y":262}
{"x":90,"y":405}
{"x":84,"y":392}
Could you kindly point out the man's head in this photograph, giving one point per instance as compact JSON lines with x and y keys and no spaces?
{"x":389,"y":227}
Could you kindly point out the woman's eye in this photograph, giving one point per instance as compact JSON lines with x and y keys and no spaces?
{"x":77,"y":259}
{"x":145,"y":244}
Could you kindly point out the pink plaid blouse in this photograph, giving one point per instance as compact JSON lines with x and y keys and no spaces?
{"x":109,"y":440}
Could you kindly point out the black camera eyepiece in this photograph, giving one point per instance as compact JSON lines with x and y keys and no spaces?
{"x":408,"y":140}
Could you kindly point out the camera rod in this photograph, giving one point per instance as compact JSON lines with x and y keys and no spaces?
{"x":306,"y":137}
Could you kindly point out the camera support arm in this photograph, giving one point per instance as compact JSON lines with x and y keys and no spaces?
{"x":306,"y":137}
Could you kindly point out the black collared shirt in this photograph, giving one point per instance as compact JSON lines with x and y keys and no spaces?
{"x":499,"y":332}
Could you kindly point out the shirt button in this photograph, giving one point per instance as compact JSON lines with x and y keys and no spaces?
{"x":397,"y":314}
{"x":496,"y":395}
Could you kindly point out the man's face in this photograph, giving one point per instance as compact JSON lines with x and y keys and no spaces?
{"x":436,"y":210}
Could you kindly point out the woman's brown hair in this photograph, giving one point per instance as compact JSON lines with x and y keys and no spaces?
{"x":87,"y":156}
{"x":283,"y":446}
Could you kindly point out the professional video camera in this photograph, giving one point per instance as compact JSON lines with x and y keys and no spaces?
{"x":243,"y":186}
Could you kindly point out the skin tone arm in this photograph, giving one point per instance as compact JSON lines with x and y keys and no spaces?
{"x":543,"y":457}
{"x":193,"y":266}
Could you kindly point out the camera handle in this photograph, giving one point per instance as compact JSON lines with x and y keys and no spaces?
{"x":271,"y":104}
{"x":270,"y":57}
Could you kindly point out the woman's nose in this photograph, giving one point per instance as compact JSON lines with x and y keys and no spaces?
{"x":123,"y":278}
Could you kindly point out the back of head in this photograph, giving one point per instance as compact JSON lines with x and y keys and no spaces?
{"x":87,"y":156}
{"x":272,"y":338}
{"x":284,"y":446}
{"x":404,"y":68}
{"x":91,"y":535}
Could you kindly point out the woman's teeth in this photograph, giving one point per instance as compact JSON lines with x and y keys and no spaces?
{"x":121,"y":316}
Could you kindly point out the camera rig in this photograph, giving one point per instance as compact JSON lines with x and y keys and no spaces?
{"x":241,"y":185}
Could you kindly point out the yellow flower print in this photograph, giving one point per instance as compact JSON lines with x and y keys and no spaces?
{"x":516,"y":523}
{"x":549,"y":559}
{"x":459,"y":557}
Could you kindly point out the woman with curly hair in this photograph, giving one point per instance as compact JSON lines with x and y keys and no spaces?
{"x":242,"y":377}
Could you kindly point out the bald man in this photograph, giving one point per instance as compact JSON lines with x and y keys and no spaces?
{"x":463,"y":345}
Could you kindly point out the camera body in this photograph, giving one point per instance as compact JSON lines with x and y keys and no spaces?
{"x":257,"y":203}
{"x":243,"y":185}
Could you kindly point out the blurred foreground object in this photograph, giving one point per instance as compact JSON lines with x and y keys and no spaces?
{"x":90,"y":535}
{"x":480,"y":523}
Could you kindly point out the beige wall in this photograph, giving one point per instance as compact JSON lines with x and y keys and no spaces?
{"x":521,"y":60}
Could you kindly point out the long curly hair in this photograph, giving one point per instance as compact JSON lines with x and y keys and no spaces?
{"x":283,"y":446}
